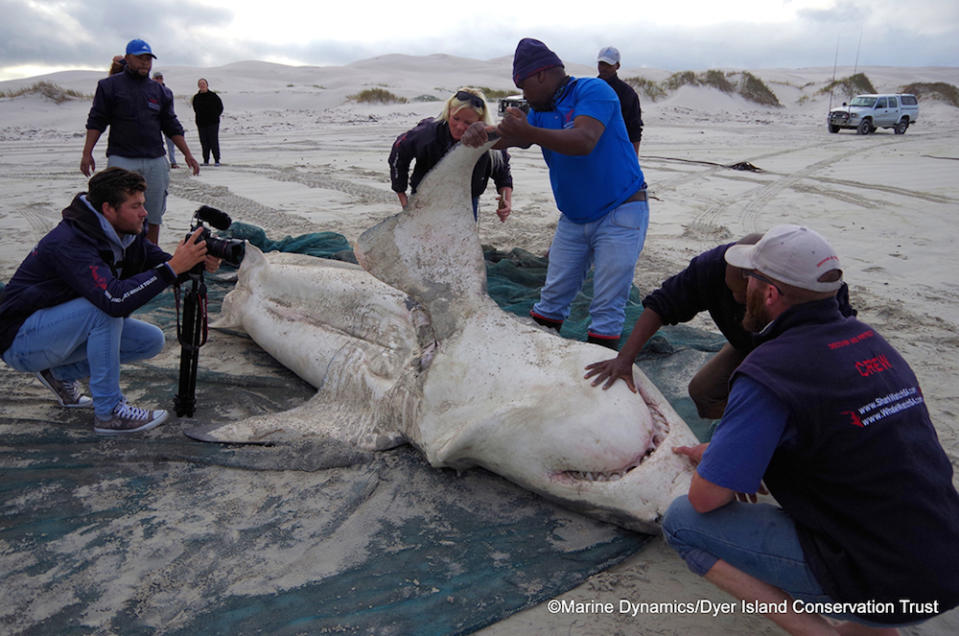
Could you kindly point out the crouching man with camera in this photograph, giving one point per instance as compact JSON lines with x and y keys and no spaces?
{"x":65,"y":313}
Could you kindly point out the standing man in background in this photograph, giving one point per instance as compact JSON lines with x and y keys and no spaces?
{"x":170,"y":148}
{"x":139,"y":112}
{"x":208,"y":108}
{"x":607,"y":63}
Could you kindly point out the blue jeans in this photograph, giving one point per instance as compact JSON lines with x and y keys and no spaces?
{"x":171,"y":151}
{"x":612,"y":246}
{"x":157,"y":174}
{"x":758,"y":539}
{"x":76,"y":340}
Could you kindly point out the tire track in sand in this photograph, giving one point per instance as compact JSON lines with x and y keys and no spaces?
{"x":755,"y":200}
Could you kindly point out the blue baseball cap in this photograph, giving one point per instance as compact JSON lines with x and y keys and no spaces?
{"x":139,"y":47}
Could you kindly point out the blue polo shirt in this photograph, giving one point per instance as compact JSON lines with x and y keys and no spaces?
{"x":588,"y":187}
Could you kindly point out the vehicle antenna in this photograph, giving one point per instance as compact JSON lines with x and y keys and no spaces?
{"x":835,"y":62}
{"x":855,"y":68}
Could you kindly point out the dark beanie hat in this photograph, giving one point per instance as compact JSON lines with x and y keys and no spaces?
{"x":531,"y":57}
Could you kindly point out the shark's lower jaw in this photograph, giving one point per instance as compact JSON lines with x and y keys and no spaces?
{"x":580,"y":476}
{"x":575,"y":475}
{"x":660,"y":430}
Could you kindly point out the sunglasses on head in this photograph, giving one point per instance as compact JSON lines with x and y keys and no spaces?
{"x":473,"y":100}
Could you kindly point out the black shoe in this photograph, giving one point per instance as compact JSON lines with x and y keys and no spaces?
{"x":610,"y":342}
{"x":547,"y":322}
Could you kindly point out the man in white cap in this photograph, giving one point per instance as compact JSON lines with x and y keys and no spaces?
{"x":607,"y":63}
{"x":139,"y":113}
{"x":831,"y":419}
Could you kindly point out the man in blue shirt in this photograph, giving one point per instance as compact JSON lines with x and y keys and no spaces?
{"x":597,"y":182}
{"x":139,"y":113}
{"x":832,"y":420}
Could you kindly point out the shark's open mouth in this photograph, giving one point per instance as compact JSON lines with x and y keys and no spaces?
{"x":660,"y":430}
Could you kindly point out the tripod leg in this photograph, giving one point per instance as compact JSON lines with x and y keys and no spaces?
{"x":185,"y":401}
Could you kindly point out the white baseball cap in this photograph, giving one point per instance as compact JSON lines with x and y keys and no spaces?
{"x":792,"y":254}
{"x":610,"y":55}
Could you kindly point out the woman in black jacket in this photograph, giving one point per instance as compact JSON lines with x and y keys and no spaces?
{"x":432,"y":138}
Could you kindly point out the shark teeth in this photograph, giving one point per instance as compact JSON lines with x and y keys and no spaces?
{"x":661,"y":429}
{"x":579,"y":475}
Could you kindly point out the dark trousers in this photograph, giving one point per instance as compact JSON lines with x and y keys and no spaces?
{"x":210,"y":141}
{"x":709,"y":388}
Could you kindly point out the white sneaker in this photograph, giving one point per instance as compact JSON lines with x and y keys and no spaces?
{"x":127,"y":418}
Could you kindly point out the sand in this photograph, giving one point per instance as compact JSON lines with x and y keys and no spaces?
{"x":299,"y":157}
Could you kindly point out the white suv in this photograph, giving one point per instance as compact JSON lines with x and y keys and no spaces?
{"x":866,"y":113}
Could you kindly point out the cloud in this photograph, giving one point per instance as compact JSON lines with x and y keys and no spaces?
{"x":91,"y":32}
{"x":87,"y":33}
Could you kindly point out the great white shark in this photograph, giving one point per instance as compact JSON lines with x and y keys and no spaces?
{"x":408,"y":347}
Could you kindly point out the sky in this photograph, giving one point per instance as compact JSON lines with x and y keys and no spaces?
{"x":42,"y":36}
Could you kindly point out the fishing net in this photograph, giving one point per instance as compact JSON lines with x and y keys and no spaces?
{"x":159,"y":533}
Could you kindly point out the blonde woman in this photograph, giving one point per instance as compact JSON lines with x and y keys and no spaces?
{"x":432,"y":138}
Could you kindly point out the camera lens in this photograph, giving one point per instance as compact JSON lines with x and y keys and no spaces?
{"x":230,"y":250}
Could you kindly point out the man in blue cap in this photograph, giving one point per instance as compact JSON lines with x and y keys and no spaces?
{"x":139,"y":112}
{"x":597,"y":182}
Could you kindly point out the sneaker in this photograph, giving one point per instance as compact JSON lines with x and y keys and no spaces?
{"x":127,"y":418}
{"x":217,"y":164}
{"x":68,"y":393}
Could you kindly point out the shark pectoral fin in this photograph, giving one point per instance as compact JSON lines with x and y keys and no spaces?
{"x":318,"y":419}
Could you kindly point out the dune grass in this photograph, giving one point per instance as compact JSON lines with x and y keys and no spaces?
{"x":717,"y":79}
{"x":755,"y":90}
{"x":742,"y":83}
{"x":933,"y":90}
{"x":850,"y":86}
{"x":652,"y":90}
{"x":377,"y":95}
{"x":497,"y":93}
{"x":49,"y":90}
{"x":680,"y":79}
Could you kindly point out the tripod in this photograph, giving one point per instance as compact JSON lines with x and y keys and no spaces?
{"x":192,"y":336}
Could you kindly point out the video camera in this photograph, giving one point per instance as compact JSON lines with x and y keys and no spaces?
{"x":193,"y":333}
{"x":229,"y":250}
